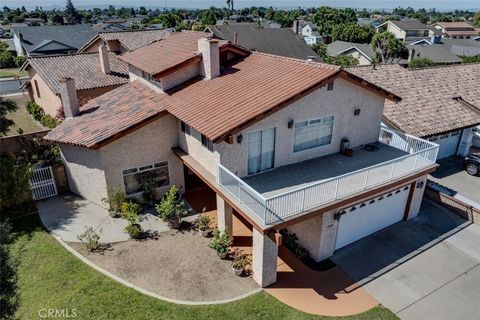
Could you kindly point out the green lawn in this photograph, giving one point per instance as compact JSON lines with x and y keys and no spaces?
{"x":12,"y":72}
{"x":51,"y":277}
{"x":22,"y":118}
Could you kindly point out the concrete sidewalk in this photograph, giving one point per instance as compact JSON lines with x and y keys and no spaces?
{"x":67,"y":216}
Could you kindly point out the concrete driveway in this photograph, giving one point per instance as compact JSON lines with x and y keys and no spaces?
{"x":426,"y":268}
{"x":67,"y":216}
{"x":460,"y":184}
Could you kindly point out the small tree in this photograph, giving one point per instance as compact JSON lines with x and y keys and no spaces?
{"x":90,"y":238}
{"x":387,"y":48}
{"x":171,"y":209}
{"x":6,"y":106}
{"x":420,"y":62}
{"x":15,"y":187}
{"x":71,"y":14}
{"x":8,"y":276}
{"x":221,"y":241}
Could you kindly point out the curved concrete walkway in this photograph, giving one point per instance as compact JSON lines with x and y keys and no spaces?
{"x":67,"y":216}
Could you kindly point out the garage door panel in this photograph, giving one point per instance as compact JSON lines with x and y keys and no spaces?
{"x":448,"y":144}
{"x":376,"y":214}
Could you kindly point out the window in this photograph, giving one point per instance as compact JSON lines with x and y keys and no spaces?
{"x":313,"y":133}
{"x":133,"y":178}
{"x":455,"y":133}
{"x":330,"y":85}
{"x":36,"y":88}
{"x":207,"y":142}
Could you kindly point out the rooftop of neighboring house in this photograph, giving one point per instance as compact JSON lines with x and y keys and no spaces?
{"x":278,"y":41}
{"x":44,"y":39}
{"x":434,"y":100}
{"x":455,"y":25}
{"x":130,"y":39}
{"x":408,"y":24}
{"x":458,"y":47}
{"x":337,"y":47}
{"x":249,"y":88}
{"x":83,"y":67}
{"x":438,"y":53}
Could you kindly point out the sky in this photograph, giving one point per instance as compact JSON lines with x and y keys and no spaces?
{"x":372,"y":4}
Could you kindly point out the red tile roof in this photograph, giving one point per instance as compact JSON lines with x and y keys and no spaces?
{"x":110,"y":114}
{"x":83,"y":67}
{"x":163,"y":54}
{"x":247,"y":90}
{"x":428,"y":106}
{"x":130,"y":39}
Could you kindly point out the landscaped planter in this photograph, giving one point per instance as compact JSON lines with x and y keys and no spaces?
{"x":237,"y":272}
{"x":222,"y":255}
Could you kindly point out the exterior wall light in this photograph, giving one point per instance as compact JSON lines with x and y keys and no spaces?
{"x":239,"y":138}
{"x":356,"y":112}
{"x":420,"y":184}
{"x":290,"y":123}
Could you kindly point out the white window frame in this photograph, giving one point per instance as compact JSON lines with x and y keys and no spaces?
{"x":145,"y":170}
{"x":323,"y":120}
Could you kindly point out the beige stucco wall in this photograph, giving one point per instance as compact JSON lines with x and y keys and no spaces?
{"x":48,"y":100}
{"x":417,"y":197}
{"x":339,"y":102}
{"x":113,"y":45}
{"x":397,"y":32}
{"x":362,"y":61}
{"x":192,"y":144}
{"x":148,"y":145}
{"x":84,"y":171}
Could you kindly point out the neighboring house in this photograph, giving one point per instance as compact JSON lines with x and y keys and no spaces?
{"x":94,"y":74}
{"x":369,"y":22}
{"x":34,"y":21}
{"x":279,"y":41}
{"x":47,"y":40}
{"x":263,"y":132}
{"x":461,"y":30}
{"x":458,"y":47}
{"x":365,"y":54}
{"x":361,"y":51}
{"x":308,"y":31}
{"x":123,"y":41}
{"x":112,"y":27}
{"x":406,"y":29}
{"x":440,"y":104}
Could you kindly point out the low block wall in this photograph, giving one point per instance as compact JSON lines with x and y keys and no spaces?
{"x":12,"y":145}
{"x":459,"y":207}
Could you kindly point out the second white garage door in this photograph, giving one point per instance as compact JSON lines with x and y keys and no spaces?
{"x":373,"y":215}
{"x":448,"y":144}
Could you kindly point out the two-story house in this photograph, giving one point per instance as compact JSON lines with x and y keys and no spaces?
{"x":406,"y":30}
{"x":284,"y":143}
{"x":460,"y":30}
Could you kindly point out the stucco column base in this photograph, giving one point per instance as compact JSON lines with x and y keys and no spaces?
{"x":264,"y":259}
{"x":224,"y":216}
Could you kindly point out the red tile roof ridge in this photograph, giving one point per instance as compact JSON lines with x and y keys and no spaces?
{"x":460,"y":65}
{"x":304,"y":62}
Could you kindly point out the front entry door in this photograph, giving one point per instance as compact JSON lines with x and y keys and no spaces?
{"x":261,"y":150}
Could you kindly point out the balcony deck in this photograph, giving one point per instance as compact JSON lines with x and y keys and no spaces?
{"x":300,"y":175}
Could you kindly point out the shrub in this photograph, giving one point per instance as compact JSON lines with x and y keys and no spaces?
{"x":420,"y":62}
{"x":220,"y":241}
{"x":35,"y":110}
{"x":240,"y":259}
{"x":48,"y":121}
{"x":290,"y":240}
{"x":8,"y":276}
{"x":133,"y":230}
{"x":149,"y":184}
{"x":203,"y":221}
{"x":90,"y":238}
{"x":115,"y":197}
{"x":15,"y":188}
{"x":170,"y":208}
{"x":130,"y":211}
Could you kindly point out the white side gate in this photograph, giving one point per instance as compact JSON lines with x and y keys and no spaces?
{"x":43,"y":183}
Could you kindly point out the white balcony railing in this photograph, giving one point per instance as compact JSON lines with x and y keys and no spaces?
{"x":421,"y":154}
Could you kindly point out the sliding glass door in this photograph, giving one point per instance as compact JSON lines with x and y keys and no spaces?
{"x":261,"y":150}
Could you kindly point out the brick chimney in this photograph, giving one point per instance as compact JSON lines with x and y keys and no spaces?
{"x":209,"y":48}
{"x":68,"y":94}
{"x":104,"y":60}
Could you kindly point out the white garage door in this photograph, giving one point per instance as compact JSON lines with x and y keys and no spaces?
{"x":448,"y":144}
{"x":373,"y":215}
